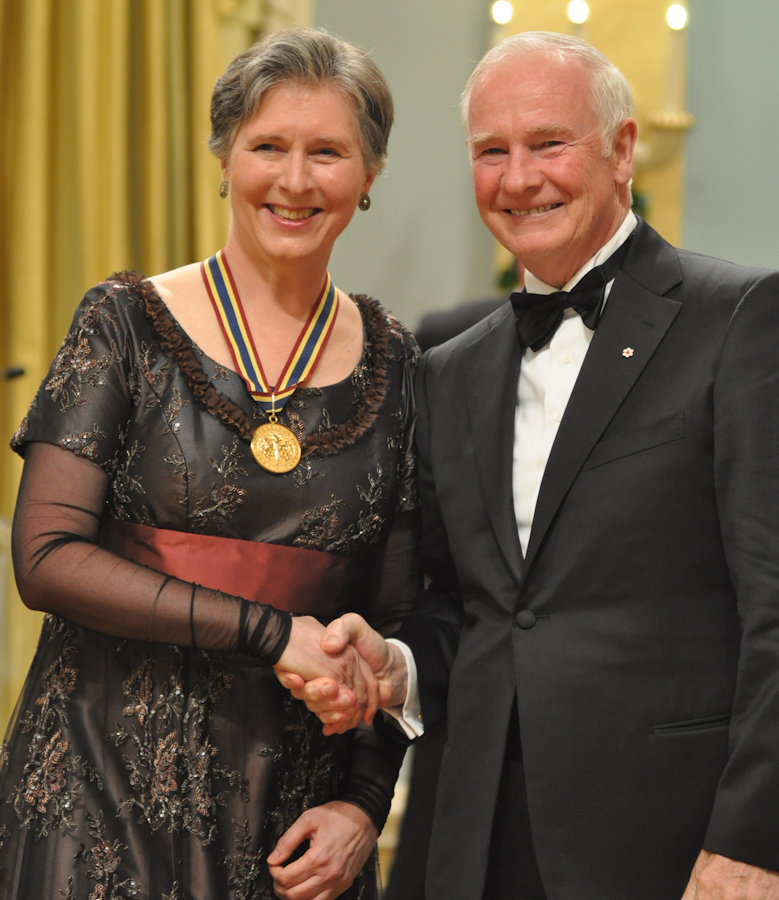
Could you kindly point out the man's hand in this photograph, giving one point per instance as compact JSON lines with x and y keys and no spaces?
{"x":326,"y":697}
{"x":341,"y":837}
{"x":719,"y":878}
{"x":351,"y":685}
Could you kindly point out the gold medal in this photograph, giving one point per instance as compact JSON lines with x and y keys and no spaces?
{"x":275,"y":447}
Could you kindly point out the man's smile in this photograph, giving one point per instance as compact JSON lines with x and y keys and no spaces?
{"x":537,"y":209}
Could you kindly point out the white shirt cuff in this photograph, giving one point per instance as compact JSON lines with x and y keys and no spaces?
{"x":409,"y":716}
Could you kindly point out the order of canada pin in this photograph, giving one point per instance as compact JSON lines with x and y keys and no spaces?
{"x":627,"y":352}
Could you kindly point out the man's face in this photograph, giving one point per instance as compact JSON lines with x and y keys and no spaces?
{"x":542,"y":184}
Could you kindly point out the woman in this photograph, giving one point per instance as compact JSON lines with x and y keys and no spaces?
{"x":214,"y":449}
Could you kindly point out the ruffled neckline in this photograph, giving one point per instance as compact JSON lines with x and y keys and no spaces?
{"x":321,"y":443}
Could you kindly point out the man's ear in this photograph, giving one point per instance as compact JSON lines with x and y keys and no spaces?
{"x":624,"y":143}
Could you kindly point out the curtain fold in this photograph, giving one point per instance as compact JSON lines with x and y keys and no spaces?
{"x":104,"y":120}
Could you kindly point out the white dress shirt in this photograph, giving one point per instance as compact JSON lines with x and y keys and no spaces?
{"x":546,"y":381}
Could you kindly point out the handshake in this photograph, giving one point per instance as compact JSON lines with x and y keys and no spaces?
{"x":343,"y":673}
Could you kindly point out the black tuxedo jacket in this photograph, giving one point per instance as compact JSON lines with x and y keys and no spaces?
{"x":640,"y":635}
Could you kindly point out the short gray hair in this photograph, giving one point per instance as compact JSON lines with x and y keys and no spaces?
{"x":310,"y":56}
{"x":610,"y":96}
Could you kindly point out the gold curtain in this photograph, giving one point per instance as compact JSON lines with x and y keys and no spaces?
{"x":104,"y":106}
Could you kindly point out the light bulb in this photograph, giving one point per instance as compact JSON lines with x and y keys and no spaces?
{"x":502,"y":11}
{"x":676,"y":17}
{"x":578,"y":12}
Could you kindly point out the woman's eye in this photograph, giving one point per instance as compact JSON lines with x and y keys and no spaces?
{"x":327,"y":151}
{"x":266,"y":148}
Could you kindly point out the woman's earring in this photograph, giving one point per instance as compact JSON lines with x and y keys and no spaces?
{"x":224,"y":188}
{"x":364,"y":202}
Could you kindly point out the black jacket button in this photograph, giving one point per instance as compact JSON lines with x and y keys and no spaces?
{"x":526,"y":618}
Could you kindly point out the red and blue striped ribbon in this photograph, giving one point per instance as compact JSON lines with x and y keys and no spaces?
{"x":305,"y":354}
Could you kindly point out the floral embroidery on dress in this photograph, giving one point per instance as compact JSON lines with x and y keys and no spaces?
{"x":73,"y":370}
{"x":219,"y":372}
{"x":370,"y":524}
{"x":18,"y":439}
{"x":246,"y":866}
{"x":320,"y":525}
{"x":402,"y":336}
{"x":84,"y":443}
{"x":124,"y":483}
{"x":179,"y":463}
{"x":304,"y":472}
{"x":143,"y":371}
{"x":361,"y":378}
{"x":171,"y":413}
{"x":223,"y":500}
{"x":104,"y":859}
{"x":99,"y":310}
{"x":43,"y":800}
{"x":170,"y":756}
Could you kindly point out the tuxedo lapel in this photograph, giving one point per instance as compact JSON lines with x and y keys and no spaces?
{"x":492,"y":372}
{"x":635,"y":319}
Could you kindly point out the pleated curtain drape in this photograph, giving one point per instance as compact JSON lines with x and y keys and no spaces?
{"x":104,"y":106}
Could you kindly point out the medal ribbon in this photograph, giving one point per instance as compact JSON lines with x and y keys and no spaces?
{"x":305,"y":354}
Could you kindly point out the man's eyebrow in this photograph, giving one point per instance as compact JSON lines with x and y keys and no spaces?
{"x":486,"y":137}
{"x":553,"y":128}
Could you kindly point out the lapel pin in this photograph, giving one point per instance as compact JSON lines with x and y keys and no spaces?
{"x":627,"y":352}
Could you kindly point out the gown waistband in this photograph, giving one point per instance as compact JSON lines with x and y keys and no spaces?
{"x":309,"y":582}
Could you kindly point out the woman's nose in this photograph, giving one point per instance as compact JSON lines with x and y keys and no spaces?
{"x":296,"y":174}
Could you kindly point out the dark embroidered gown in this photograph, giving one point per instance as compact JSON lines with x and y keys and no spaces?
{"x":148,"y":769}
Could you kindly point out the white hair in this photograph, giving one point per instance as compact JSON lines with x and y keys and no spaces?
{"x":611,"y":99}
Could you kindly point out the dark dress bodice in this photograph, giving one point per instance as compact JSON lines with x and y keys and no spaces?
{"x":138,"y":769}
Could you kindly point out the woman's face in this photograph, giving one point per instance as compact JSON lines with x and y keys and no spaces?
{"x":296,"y":172}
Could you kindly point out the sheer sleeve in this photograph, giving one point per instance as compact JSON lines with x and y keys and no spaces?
{"x":397,"y":579}
{"x":61,"y":570}
{"x":376,"y":759}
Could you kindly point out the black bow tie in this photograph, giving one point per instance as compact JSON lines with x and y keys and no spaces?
{"x":539,"y":315}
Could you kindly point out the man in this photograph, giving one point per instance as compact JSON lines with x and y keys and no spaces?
{"x":601,"y":510}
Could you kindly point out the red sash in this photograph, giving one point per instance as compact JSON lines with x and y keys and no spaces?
{"x":310,"y":582}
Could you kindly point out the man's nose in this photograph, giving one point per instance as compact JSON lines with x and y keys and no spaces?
{"x":522,"y":172}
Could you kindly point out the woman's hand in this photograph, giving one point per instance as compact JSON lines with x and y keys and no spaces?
{"x":326,"y":696}
{"x":341,"y":837}
{"x":353,"y":684}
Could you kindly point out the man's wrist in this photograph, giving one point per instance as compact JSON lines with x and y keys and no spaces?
{"x":395,"y":685}
{"x":408,"y":716}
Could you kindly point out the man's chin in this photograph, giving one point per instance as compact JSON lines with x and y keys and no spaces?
{"x":539,"y":247}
